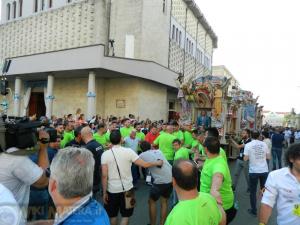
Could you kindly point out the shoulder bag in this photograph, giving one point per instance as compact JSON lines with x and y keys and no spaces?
{"x":129,"y":196}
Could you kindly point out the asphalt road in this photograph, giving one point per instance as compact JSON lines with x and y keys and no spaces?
{"x":141,"y":217}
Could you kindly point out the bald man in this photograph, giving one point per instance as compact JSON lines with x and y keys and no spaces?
{"x":165,"y":143}
{"x":193,"y":205}
{"x":97,"y":150}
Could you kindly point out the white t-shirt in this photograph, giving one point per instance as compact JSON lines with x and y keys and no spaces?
{"x":282,"y":186}
{"x":17,"y":173}
{"x":268,"y":143}
{"x":287,"y":133}
{"x":10,"y":212}
{"x":125,"y":157}
{"x":257,"y":152}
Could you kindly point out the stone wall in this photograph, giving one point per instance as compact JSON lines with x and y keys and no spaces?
{"x":67,"y":27}
{"x":70,"y":94}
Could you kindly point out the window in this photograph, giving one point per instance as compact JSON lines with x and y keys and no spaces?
{"x":164,"y":6}
{"x":8,"y":11}
{"x":192,"y":49}
{"x":20,"y":8}
{"x":69,"y":1}
{"x":173,"y":32}
{"x":36,"y":5}
{"x":14,"y":10}
{"x":179,"y":41}
{"x":171,"y":106}
{"x":50,"y":4}
{"x":42,"y":5}
{"x":201,"y":57}
{"x":176,"y":35}
{"x":187,"y":45}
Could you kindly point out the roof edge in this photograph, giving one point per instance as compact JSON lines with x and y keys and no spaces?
{"x":199,"y":15}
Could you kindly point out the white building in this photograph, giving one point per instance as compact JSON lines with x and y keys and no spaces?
{"x":103,"y":56}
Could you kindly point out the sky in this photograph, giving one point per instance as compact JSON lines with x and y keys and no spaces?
{"x":259,"y":42}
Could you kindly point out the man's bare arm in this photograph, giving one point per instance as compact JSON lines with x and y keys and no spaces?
{"x":265,"y":213}
{"x":217,"y":181}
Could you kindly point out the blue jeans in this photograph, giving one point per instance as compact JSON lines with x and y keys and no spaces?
{"x":39,"y":204}
{"x":253,"y":180}
{"x":276,"y":156}
{"x":135,"y":174}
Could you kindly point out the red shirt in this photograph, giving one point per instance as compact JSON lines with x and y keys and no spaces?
{"x":151,"y":137}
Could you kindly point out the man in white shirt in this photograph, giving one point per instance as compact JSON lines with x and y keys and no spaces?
{"x":283,"y":186}
{"x":297,"y":136}
{"x":18,"y":172}
{"x":117,"y":178}
{"x":257,"y":152}
{"x":132,"y":142}
{"x":10,"y":212}
{"x":287,"y":135}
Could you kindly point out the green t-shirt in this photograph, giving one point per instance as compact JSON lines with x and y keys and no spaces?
{"x":179,"y":135}
{"x":107,"y":135}
{"x":194,"y":143}
{"x":200,"y":147}
{"x":211,"y":167}
{"x":202,"y":210}
{"x":223,"y":154}
{"x":125,"y":131}
{"x":140,"y":135}
{"x":182,"y":153}
{"x":164,"y":141}
{"x":101,"y":139}
{"x":188,"y":138}
{"x":67,"y":137}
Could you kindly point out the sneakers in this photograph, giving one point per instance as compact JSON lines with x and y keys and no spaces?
{"x":252,"y":213}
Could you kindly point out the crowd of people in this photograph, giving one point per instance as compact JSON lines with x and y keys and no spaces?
{"x":87,"y":173}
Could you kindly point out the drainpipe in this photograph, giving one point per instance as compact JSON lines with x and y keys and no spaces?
{"x":170,"y":33}
{"x":196,"y":50}
{"x":108,"y":26}
{"x":186,"y":10}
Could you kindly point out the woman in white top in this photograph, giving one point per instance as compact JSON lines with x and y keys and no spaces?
{"x":267,"y":140}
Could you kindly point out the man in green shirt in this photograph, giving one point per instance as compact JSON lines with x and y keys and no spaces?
{"x":139,"y":134}
{"x":216,"y":178}
{"x":68,"y":134}
{"x":188,"y":137}
{"x":164,"y":142}
{"x":163,"y":128}
{"x":193,"y":207}
{"x":180,"y":152}
{"x":100,"y":136}
{"x":126,"y":129}
{"x":177,"y":132}
{"x":213,"y":132}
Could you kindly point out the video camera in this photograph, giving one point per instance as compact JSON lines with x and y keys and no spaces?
{"x":18,"y":132}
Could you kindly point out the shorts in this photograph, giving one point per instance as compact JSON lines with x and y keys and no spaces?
{"x":160,"y":190}
{"x":116,"y":203}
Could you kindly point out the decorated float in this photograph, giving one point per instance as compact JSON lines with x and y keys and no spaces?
{"x":230,"y":109}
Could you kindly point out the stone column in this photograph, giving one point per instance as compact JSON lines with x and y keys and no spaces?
{"x":49,"y":98}
{"x":17,"y":96}
{"x":91,"y":96}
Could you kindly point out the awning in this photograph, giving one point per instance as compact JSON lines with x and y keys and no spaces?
{"x":88,"y":58}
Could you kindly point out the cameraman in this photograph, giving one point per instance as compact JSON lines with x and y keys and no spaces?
{"x":18,"y":172}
